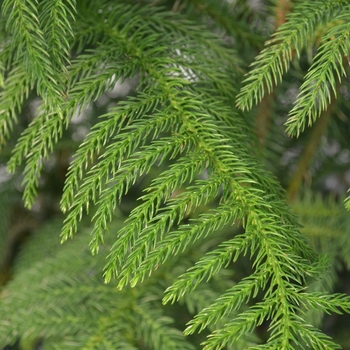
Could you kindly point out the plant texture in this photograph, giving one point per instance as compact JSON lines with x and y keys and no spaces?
{"x":196,"y":222}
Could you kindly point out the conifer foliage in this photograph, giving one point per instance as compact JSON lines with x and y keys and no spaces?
{"x":211,"y":255}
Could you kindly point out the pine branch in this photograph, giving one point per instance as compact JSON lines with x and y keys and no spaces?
{"x":274,"y":60}
{"x":321,"y":80}
{"x":43,"y":51}
{"x":181,"y":118}
{"x":229,"y":302}
{"x":55,"y":18}
{"x":31,"y":46}
{"x":16,"y":90}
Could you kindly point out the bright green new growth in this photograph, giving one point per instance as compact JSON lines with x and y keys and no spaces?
{"x":320,"y":82}
{"x":182,"y":122}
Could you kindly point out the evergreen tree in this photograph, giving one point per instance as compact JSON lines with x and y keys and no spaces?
{"x":205,"y":197}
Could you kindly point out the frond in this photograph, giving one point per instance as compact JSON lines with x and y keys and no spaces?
{"x":123,"y":147}
{"x":243,"y":323}
{"x":30,"y":44}
{"x":274,"y":60}
{"x":178,"y":129}
{"x":40,"y":42}
{"x":321,"y":81}
{"x":16,"y":90}
{"x":55,"y":18}
{"x":230,"y":301}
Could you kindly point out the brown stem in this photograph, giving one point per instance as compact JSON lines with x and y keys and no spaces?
{"x":283,"y":7}
{"x":23,"y":225}
{"x":308,"y":154}
{"x":263,"y":118}
{"x":309,"y":151}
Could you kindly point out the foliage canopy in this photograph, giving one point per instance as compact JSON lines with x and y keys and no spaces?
{"x":106,"y":102}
